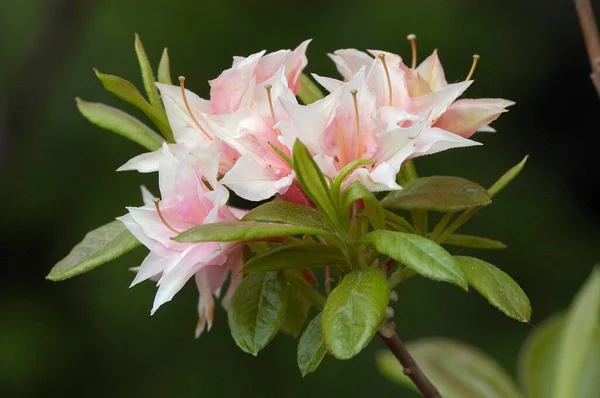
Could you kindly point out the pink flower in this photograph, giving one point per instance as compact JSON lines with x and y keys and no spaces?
{"x":187,"y":201}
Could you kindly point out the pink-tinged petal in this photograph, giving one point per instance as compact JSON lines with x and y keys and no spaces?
{"x":137,"y":231}
{"x":234,"y":263}
{"x":432,"y":106}
{"x":487,"y":129}
{"x":295,"y":194}
{"x":147,"y":196}
{"x":326,"y":164}
{"x":349,"y":61}
{"x":153,"y":227}
{"x":390,"y":118}
{"x":149,"y":162}
{"x":328,"y":83}
{"x":393,"y":60}
{"x":208,"y":281}
{"x":251,"y":180}
{"x":382,"y":178}
{"x":295,"y":64}
{"x":432,"y":72}
{"x":434,"y":140}
{"x":184,"y":127}
{"x":153,"y":265}
{"x":417,"y":86}
{"x":466,"y":116}
{"x":377,"y":80}
{"x":238,"y":213}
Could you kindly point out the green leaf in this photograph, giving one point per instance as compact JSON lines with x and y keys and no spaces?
{"x":578,"y":339}
{"x":538,"y":358}
{"x":353,"y":312}
{"x":290,"y":213}
{"x":475,"y":242}
{"x":419,"y":254}
{"x":456,"y":369}
{"x":309,"y":91}
{"x":496,"y":286}
{"x":357,"y":191}
{"x":313,"y":182}
{"x":397,"y":223}
{"x":438,"y":193}
{"x":507,"y":178}
{"x":244,"y":230}
{"x":311,"y":347}
{"x":128,"y":93}
{"x":339,"y":180}
{"x":257,"y":310}
{"x":119,"y":122}
{"x":296,"y":256}
{"x":408,"y":173}
{"x":97,"y":247}
{"x":164,"y":68}
{"x":296,"y":313}
{"x":147,"y":74}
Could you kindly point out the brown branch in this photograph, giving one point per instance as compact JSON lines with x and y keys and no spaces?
{"x":411,"y":368}
{"x":591,"y":37}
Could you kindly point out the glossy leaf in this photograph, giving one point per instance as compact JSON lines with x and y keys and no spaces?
{"x":456,"y":369}
{"x":97,"y":247}
{"x":257,"y":310}
{"x":353,"y":312}
{"x":474,"y":242}
{"x":439,"y":193}
{"x":297,"y":256}
{"x":164,"y":68}
{"x":311,"y":347}
{"x":244,"y":230}
{"x":309,"y":91}
{"x":119,"y":122}
{"x":147,"y":74}
{"x":419,"y":254}
{"x":357,"y":191}
{"x":507,"y":178}
{"x":582,"y":324}
{"x":286,"y":212}
{"x":296,"y":313}
{"x":496,"y":286}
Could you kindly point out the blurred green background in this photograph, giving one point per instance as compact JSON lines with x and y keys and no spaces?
{"x":91,"y":336}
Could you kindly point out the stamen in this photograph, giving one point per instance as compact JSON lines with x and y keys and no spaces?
{"x":473,"y":66}
{"x":387,"y":75}
{"x":268,"y":87}
{"x":162,"y":218}
{"x":189,"y":109}
{"x":413,"y":45}
{"x":357,"y":117}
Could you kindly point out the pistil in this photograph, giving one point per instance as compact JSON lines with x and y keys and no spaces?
{"x":387,"y":76}
{"x":473,"y":66}
{"x":189,"y":109}
{"x":162,"y":218}
{"x":413,"y":46}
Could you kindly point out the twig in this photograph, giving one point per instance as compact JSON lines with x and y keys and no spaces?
{"x":411,"y":369}
{"x":591,"y":37}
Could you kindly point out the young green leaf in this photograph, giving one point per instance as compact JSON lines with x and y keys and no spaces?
{"x":97,"y":247}
{"x":257,"y":310}
{"x":339,"y":180}
{"x":438,"y":193}
{"x":408,"y":173}
{"x":507,"y":178}
{"x":419,"y":254}
{"x":147,"y":74}
{"x":287,"y":212}
{"x":119,"y":122}
{"x":353,"y":312}
{"x":579,"y":340}
{"x":296,"y":313}
{"x":496,"y":286}
{"x":397,"y":223}
{"x":311,"y":347}
{"x":357,"y":191}
{"x":475,"y":242}
{"x":244,"y":230}
{"x":164,"y":68}
{"x":297,"y":256}
{"x":313,"y":182}
{"x":309,"y":91}
{"x":129,"y":93}
{"x":456,"y":369}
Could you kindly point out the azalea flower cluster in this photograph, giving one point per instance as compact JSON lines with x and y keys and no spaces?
{"x":242,"y":137}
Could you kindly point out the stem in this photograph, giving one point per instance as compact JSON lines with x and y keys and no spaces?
{"x":457,"y":223}
{"x":411,"y":369}
{"x":591,"y":37}
{"x":439,"y":228}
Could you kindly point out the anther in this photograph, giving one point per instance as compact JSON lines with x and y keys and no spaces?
{"x":189,"y":109}
{"x":413,"y":46}
{"x":268,"y":87}
{"x":473,"y":66}
{"x":162,"y":218}
{"x":387,"y":76}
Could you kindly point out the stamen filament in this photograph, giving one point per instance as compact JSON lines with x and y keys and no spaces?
{"x":268,"y":87}
{"x":162,"y":218}
{"x":189,"y":109}
{"x":413,"y":46}
{"x":357,"y":142}
{"x":473,"y":66}
{"x":387,"y":75}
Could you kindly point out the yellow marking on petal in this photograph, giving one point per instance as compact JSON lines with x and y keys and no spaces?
{"x":268,"y":87}
{"x":413,"y":46}
{"x":189,"y":109}
{"x":387,"y":76}
{"x":473,"y":66}
{"x":162,"y":218}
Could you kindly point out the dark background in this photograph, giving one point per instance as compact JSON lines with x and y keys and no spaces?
{"x":92,"y":336}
